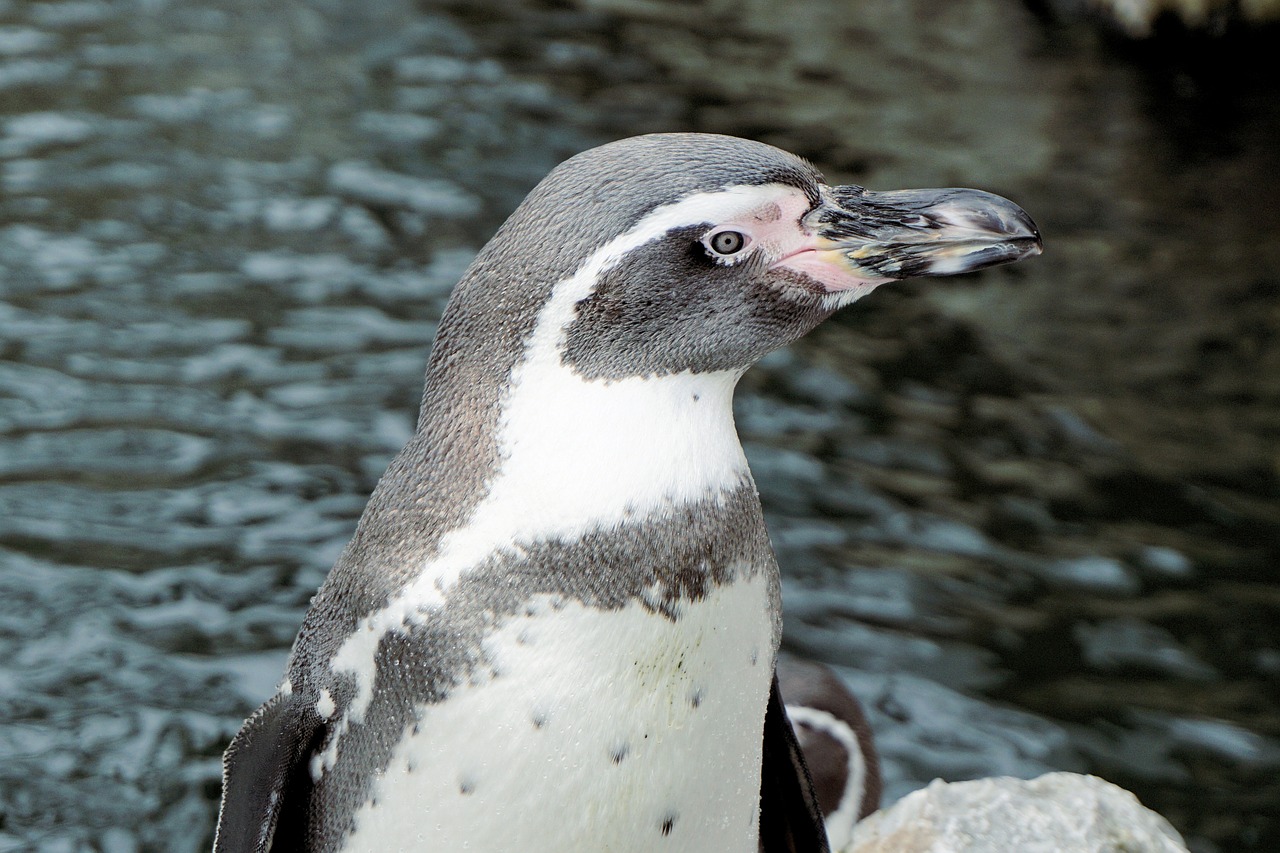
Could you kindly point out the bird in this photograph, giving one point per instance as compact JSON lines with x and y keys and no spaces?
{"x":836,"y":742}
{"x":556,"y":625}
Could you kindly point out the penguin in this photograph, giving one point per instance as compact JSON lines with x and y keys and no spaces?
{"x":556,"y":625}
{"x":836,"y":743}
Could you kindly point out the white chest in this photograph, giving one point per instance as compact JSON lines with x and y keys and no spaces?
{"x":600,"y":730}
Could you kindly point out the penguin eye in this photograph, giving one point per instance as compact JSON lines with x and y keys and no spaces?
{"x":725,"y":243}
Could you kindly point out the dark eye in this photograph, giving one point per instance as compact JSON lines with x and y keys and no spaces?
{"x":727,"y":242}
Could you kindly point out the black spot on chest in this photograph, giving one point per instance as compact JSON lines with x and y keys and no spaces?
{"x":661,"y":565}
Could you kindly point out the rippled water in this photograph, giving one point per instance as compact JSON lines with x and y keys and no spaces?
{"x":1034,"y":516}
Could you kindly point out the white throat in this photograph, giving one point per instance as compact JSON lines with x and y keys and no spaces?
{"x":578,"y":452}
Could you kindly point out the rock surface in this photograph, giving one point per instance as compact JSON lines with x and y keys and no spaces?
{"x":1056,"y":813}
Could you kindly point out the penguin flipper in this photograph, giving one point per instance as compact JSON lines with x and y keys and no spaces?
{"x":266,"y":781}
{"x":790,"y":817}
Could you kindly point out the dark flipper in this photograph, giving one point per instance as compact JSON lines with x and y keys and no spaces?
{"x":266,"y":781}
{"x":790,"y":819}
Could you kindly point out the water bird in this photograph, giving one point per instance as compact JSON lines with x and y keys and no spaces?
{"x":557,"y":623}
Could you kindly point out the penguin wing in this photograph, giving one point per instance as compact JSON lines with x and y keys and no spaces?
{"x":265,"y":779}
{"x":790,"y":818}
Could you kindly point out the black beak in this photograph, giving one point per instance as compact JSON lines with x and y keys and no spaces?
{"x":905,"y":233}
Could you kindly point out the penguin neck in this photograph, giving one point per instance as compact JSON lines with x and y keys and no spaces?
{"x":623,"y":448}
{"x":539,"y":450}
{"x":556,"y":456}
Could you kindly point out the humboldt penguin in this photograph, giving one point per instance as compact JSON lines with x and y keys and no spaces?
{"x":556,"y":626}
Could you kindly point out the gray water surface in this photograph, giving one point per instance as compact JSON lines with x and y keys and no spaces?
{"x":1032,"y":516}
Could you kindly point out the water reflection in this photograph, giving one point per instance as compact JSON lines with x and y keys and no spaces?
{"x":1032,"y":515}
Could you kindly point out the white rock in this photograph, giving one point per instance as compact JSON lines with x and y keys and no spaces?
{"x":1056,"y":813}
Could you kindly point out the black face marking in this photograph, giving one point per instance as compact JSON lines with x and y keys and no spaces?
{"x":539,"y":719}
{"x":695,"y":700}
{"x":666,"y":307}
{"x":466,"y":786}
{"x":619,"y":752}
{"x":668,"y":823}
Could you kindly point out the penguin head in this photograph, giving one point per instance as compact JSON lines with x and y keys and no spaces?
{"x":683,"y":252}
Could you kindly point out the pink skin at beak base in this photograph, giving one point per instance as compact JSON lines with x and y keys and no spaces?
{"x":827,"y":267}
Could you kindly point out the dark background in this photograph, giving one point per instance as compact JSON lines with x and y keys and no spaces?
{"x":1032,"y":515}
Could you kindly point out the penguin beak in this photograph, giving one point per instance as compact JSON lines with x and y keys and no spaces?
{"x":860,"y":238}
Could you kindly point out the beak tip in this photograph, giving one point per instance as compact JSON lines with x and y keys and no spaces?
{"x":1037,"y":243}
